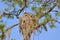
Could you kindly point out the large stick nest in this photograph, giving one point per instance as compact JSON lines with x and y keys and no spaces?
{"x":28,"y":24}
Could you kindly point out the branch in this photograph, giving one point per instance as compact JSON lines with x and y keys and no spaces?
{"x":45,"y":22}
{"x":41,"y":15}
{"x":10,"y":13}
{"x":16,"y":13}
{"x":20,"y":10}
{"x":11,"y":27}
{"x":31,"y":2}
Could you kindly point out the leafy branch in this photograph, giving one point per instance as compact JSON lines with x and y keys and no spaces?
{"x":43,"y":14}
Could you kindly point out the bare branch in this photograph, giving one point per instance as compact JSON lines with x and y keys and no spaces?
{"x":11,"y":27}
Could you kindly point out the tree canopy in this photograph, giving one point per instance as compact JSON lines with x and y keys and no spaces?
{"x":34,"y":11}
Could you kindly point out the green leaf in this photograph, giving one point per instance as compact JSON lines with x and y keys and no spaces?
{"x":2,"y":26}
{"x":10,"y":16}
{"x":33,"y":8}
{"x":52,"y":26}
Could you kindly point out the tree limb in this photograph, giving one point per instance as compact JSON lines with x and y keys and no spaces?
{"x":45,"y":22}
{"x":43,"y":14}
{"x":31,"y":2}
{"x":20,"y":10}
{"x":10,"y":13}
{"x":11,"y":27}
{"x":16,"y":13}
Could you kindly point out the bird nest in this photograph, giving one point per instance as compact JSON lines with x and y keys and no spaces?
{"x":28,"y":24}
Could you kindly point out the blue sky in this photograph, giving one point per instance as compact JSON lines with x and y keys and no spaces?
{"x":51,"y":34}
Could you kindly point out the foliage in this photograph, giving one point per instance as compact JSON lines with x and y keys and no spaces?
{"x":2,"y":34}
{"x":41,"y":8}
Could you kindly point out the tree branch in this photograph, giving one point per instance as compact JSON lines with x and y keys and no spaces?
{"x":16,"y":13}
{"x":11,"y":27}
{"x":10,"y":13}
{"x":45,"y":22}
{"x":31,"y":2}
{"x":20,"y":10}
{"x":43,"y":14}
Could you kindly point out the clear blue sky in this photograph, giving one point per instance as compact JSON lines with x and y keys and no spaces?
{"x":51,"y":34}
